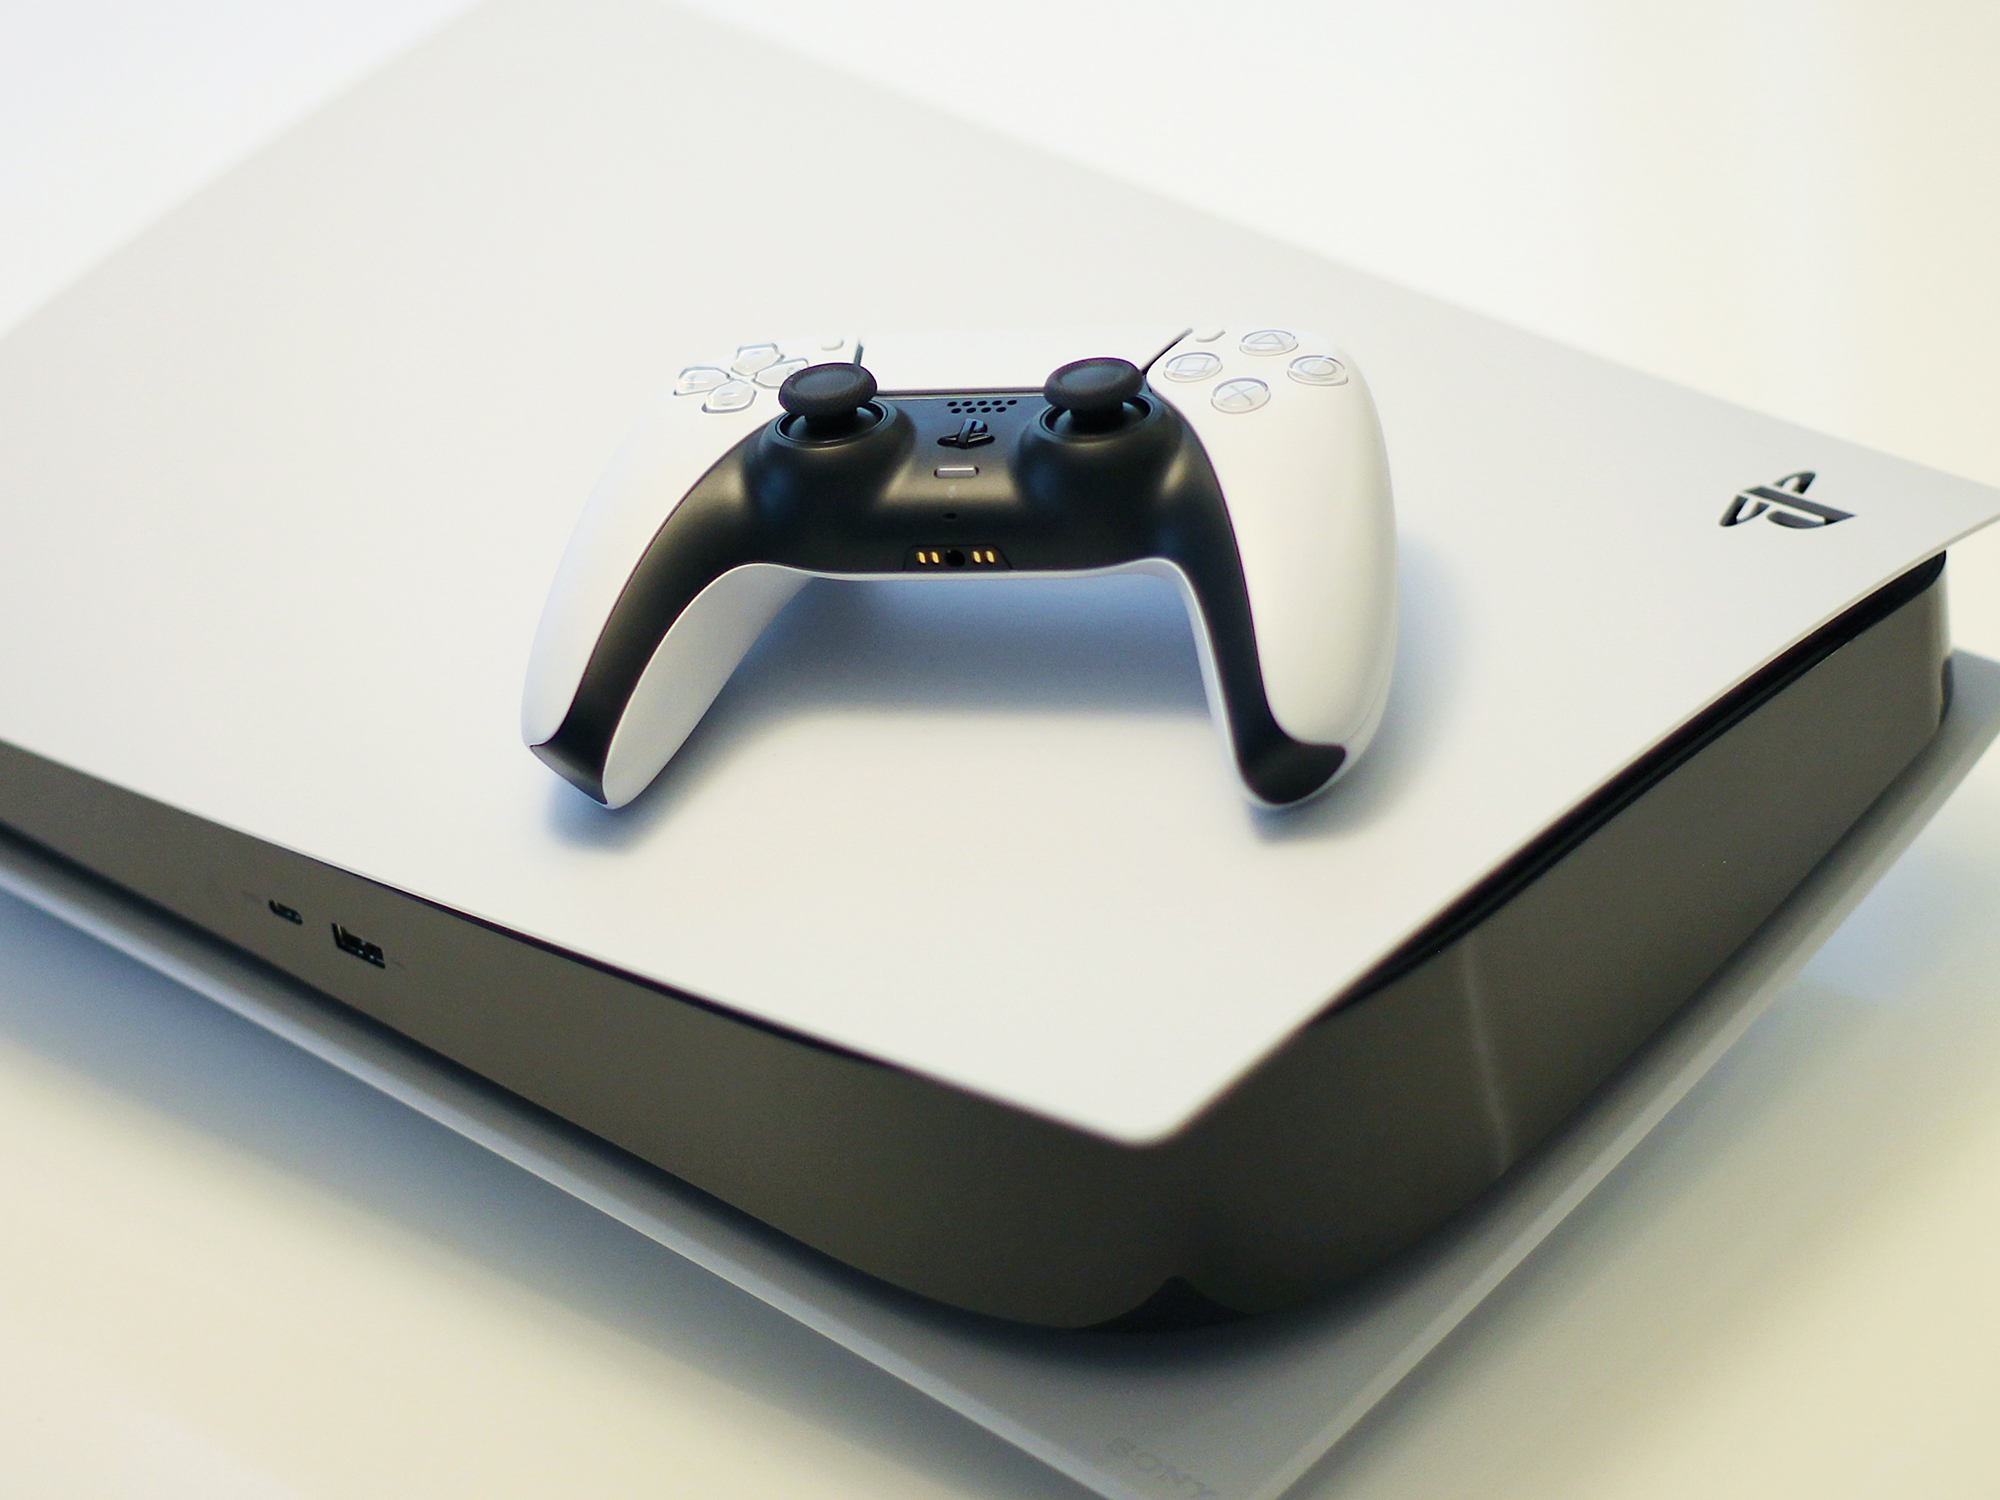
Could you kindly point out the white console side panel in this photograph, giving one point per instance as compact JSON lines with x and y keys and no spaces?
{"x":285,"y":481}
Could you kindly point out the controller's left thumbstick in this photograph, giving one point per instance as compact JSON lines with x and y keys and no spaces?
{"x":829,"y":401}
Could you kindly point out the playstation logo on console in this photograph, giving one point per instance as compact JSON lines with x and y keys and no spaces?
{"x":1783,"y":504}
{"x":971,"y":434}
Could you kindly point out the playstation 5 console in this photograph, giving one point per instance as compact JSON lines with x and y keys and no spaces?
{"x":872,"y":863}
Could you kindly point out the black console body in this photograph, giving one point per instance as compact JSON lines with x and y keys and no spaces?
{"x":1413,"y":1091}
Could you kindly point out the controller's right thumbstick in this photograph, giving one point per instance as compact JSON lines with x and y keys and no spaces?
{"x":1094,"y":393}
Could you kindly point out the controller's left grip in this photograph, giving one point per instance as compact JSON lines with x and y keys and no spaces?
{"x":688,"y":668}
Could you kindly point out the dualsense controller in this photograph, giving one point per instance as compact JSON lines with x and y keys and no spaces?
{"x":1245,"y":466}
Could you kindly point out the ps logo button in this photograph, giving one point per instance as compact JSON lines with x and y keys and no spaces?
{"x":754,"y":357}
{"x":698,"y":378}
{"x":773,"y":376}
{"x":1197,"y":366}
{"x":1240,"y":395}
{"x":734,"y":396}
{"x":972,"y":433}
{"x":1318,"y":369}
{"x":1268,"y":341}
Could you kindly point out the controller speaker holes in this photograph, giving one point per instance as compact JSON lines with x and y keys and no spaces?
{"x":357,"y":945}
{"x":974,"y":406}
{"x":948,"y":559}
{"x":289,"y":913}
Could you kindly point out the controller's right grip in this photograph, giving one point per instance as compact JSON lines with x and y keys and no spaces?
{"x":1306,"y":482}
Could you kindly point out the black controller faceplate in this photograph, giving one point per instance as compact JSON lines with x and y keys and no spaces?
{"x":894,"y":493}
{"x":1047,"y":503}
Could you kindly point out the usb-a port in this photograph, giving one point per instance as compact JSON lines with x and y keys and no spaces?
{"x":360,"y":947}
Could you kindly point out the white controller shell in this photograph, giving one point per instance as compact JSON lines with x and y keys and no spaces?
{"x":1304,"y":477}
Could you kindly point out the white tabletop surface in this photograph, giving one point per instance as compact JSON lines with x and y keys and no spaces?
{"x":226,"y":1271}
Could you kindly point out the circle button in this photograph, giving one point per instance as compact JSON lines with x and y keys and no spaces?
{"x":1196,"y":366}
{"x":1318,"y":369}
{"x":733,"y":396}
{"x":1244,"y":394}
{"x":1268,"y":341}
